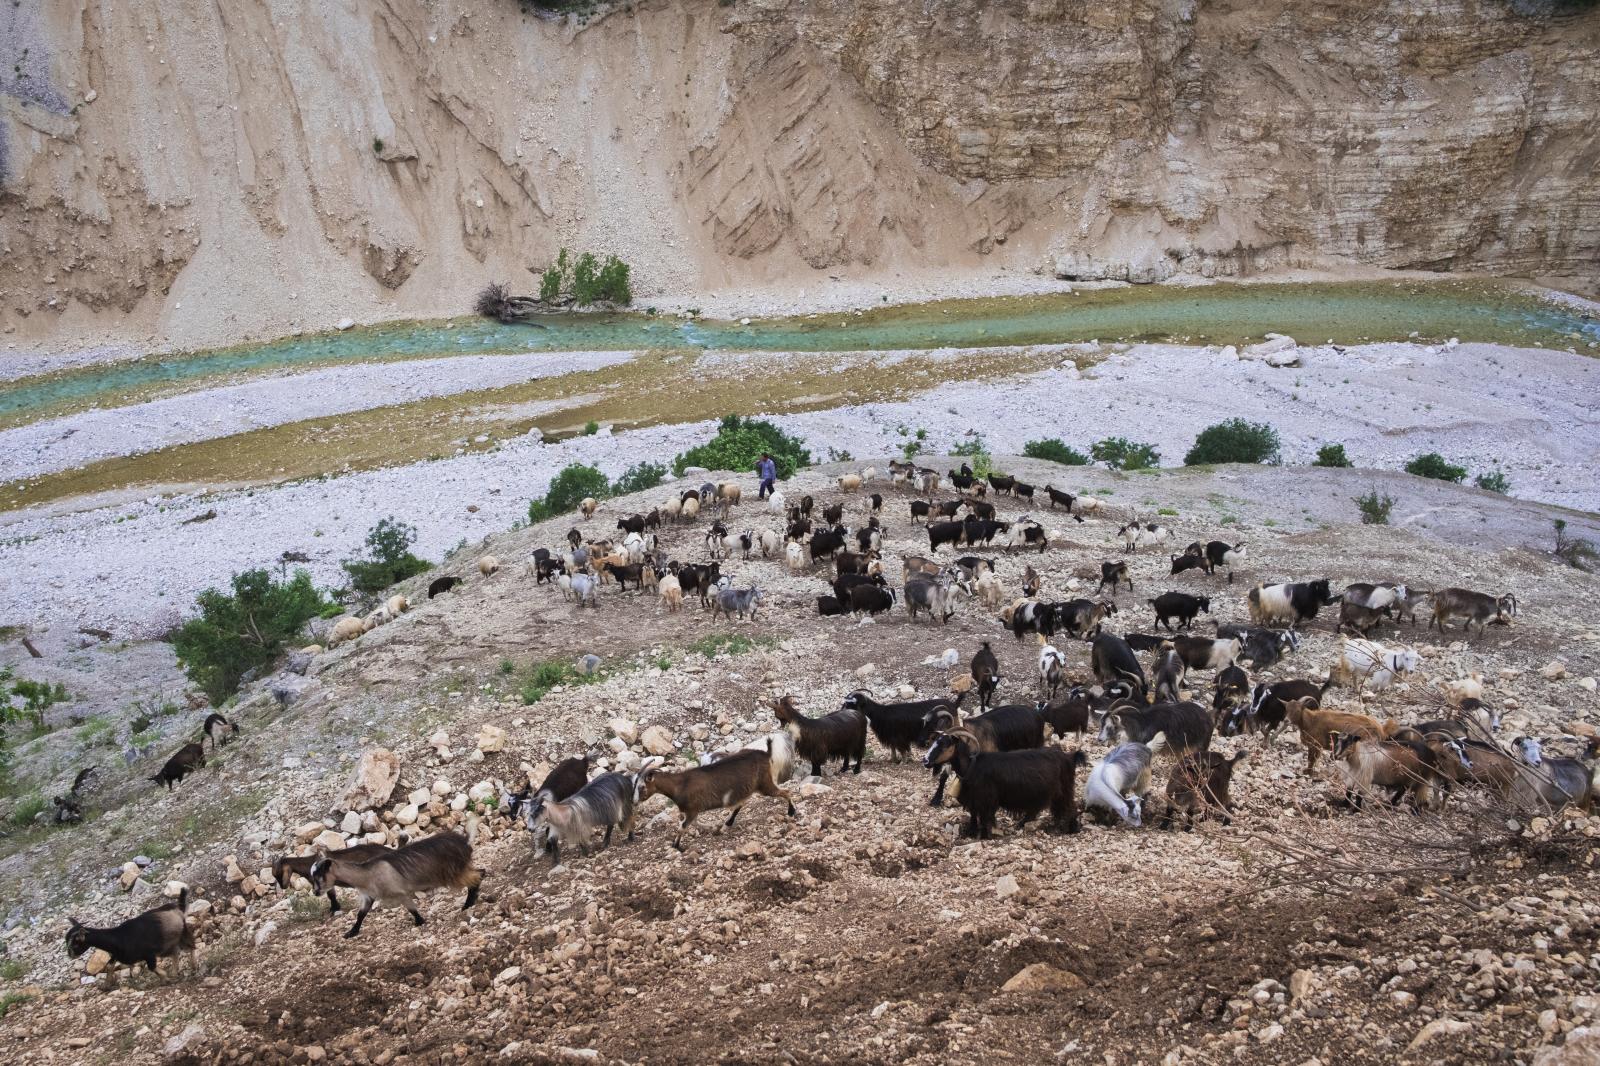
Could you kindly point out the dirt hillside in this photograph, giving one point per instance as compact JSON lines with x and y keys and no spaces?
{"x":866,"y":929}
{"x":178,"y":172}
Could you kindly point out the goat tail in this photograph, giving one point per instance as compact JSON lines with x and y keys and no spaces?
{"x":183,"y":899}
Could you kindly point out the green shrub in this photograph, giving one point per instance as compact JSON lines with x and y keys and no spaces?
{"x":1331,"y":455}
{"x":585,"y":275}
{"x":1494,"y":481}
{"x":1234,"y":441}
{"x":613,"y":283}
{"x":389,"y":559}
{"x":569,"y":488}
{"x":590,"y":428}
{"x":243,"y":631}
{"x":738,"y":445}
{"x":1119,"y":453}
{"x":638,"y":477}
{"x":36,"y":696}
{"x":973,"y":448}
{"x":1055,"y":451}
{"x":554,"y":279}
{"x":912,"y":447}
{"x":1374,"y":508}
{"x":1433,"y":465}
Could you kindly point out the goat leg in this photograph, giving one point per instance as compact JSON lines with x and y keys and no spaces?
{"x":361,"y":916}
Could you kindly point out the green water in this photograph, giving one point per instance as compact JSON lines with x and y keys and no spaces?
{"x":1214,"y":314}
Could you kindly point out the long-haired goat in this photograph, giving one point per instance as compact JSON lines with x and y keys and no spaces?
{"x":1365,"y":662}
{"x":728,"y":782}
{"x":1400,"y":766}
{"x":900,"y":727}
{"x":1550,"y":783}
{"x":1288,"y":604}
{"x":840,"y":735}
{"x":1021,"y":783}
{"x":1011,"y":728}
{"x":1112,"y":660}
{"x":1118,"y":783}
{"x":568,"y":776}
{"x":156,"y":934}
{"x":395,"y":877}
{"x":985,"y":673}
{"x":1167,"y":674}
{"x":605,"y":803}
{"x":286,"y":867}
{"x":1186,"y":726}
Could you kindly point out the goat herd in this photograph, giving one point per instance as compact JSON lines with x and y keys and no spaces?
{"x":1005,"y":757}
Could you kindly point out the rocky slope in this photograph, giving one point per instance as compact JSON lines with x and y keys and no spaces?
{"x":182,"y":172}
{"x":865,"y":930}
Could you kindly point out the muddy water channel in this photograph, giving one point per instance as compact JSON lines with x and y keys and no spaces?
{"x":687,"y":370}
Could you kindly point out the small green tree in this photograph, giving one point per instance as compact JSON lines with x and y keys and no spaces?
{"x":554,"y":279}
{"x":1494,"y":481}
{"x":638,"y":477}
{"x":1054,"y":450}
{"x":243,"y":630}
{"x":612,"y":282}
{"x":1433,"y":465}
{"x":389,"y":557}
{"x":1374,"y":508}
{"x":585,"y":279}
{"x":739,"y":443}
{"x":1119,"y":453}
{"x":1331,"y":455}
{"x":1234,"y":441}
{"x":567,"y":490}
{"x":973,"y":448}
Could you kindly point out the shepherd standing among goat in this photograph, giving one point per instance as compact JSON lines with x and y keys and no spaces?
{"x":767,"y":471}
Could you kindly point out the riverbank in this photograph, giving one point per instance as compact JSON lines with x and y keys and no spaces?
{"x":133,"y":564}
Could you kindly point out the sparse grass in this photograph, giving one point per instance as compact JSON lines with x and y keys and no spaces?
{"x":1167,"y":511}
{"x":13,"y":970}
{"x":96,"y":731}
{"x":158,"y":850}
{"x":728,"y":644}
{"x":305,"y":907}
{"x":27,"y":809}
{"x":507,"y":666}
{"x":549,"y":675}
{"x":12,"y":999}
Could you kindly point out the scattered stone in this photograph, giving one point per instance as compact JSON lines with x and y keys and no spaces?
{"x":130,"y":874}
{"x":1006,"y":887}
{"x":185,"y":1043}
{"x":344,"y":324}
{"x":350,"y":825}
{"x":1554,"y":670}
{"x":331,"y":839}
{"x":1301,"y":984}
{"x":624,"y":730}
{"x":264,"y":933}
{"x":407,"y":815}
{"x":1438,"y":1027}
{"x":174,"y":889}
{"x":97,"y":962}
{"x":1582,"y":1048}
{"x":491,"y":738}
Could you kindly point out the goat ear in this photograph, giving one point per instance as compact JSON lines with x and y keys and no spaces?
{"x":74,"y":923}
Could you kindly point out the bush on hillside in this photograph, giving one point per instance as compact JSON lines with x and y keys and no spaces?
{"x":1234,"y":441}
{"x":638,"y":477}
{"x":1433,"y":465}
{"x":243,"y":630}
{"x":1331,"y":455}
{"x":738,"y":445}
{"x":1374,"y":508}
{"x":1119,"y":453}
{"x":567,"y":490}
{"x":976,"y":452}
{"x":389,"y":559}
{"x":1494,"y":481}
{"x":1054,"y":450}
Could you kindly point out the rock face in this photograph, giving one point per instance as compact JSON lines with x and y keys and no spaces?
{"x":1132,"y":140}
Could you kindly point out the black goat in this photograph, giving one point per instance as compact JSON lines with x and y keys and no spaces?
{"x":942,"y":533}
{"x":1269,"y":706}
{"x":840,"y":735}
{"x":985,"y":673}
{"x":873,"y":599}
{"x":1179,"y":605}
{"x":831,"y":606}
{"x":900,"y":726}
{"x":149,"y":937}
{"x":1021,"y":783}
{"x":1114,"y":574}
{"x":1112,"y":660}
{"x":442,"y":584}
{"x":1186,"y":725}
{"x":185,"y":761}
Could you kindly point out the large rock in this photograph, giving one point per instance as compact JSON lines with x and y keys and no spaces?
{"x":376,"y":775}
{"x":1276,"y":350}
{"x":97,"y":962}
{"x":658,"y":741}
{"x":185,"y":1043}
{"x":1042,"y":977}
{"x":330,"y":839}
{"x":624,"y":730}
{"x":491,"y":738}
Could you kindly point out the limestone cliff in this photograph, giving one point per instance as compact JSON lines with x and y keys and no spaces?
{"x":201,"y":171}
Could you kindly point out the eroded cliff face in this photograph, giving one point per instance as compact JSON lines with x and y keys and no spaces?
{"x":205,"y":171}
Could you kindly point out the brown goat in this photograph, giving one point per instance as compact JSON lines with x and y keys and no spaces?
{"x":440,"y":861}
{"x":1401,"y":766}
{"x":729,"y":782}
{"x":285,"y":867}
{"x":1199,"y":784}
{"x":1318,"y":728}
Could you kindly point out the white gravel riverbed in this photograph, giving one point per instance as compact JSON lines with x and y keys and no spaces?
{"x":133,"y":567}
